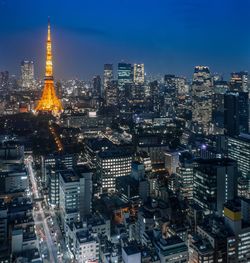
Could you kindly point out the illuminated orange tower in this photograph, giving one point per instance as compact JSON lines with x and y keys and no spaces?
{"x":49,"y":101}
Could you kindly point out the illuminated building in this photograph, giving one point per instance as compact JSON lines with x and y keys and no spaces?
{"x":49,"y":102}
{"x":27,"y":74}
{"x":137,"y":93}
{"x":182,"y":87}
{"x":170,"y":81}
{"x":75,"y":192}
{"x":243,"y":112}
{"x":82,"y":243}
{"x":172,"y":249}
{"x":171,"y":161}
{"x":97,"y":86}
{"x":113,"y":163}
{"x":236,"y":216}
{"x":108,"y":75}
{"x":215,"y":182}
{"x":239,"y":150}
{"x":202,"y":101}
{"x":238,"y":82}
{"x":124,"y":74}
{"x":14,"y":181}
{"x":4,"y":79}
{"x":138,"y":74}
{"x":202,"y":81}
{"x":200,"y":250}
{"x":185,"y":176}
{"x":111,"y":93}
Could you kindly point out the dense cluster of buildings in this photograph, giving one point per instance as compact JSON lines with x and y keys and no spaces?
{"x":143,"y":170}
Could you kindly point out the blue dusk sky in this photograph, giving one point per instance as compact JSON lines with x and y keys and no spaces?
{"x":168,"y":36}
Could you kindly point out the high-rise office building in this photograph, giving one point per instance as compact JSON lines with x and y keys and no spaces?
{"x":243,"y":112}
{"x":113,"y":163}
{"x":202,"y":101}
{"x":231,"y":114}
{"x":202,"y":82}
{"x":236,"y":216}
{"x":182,"y":87}
{"x":124,"y":74}
{"x":53,"y":187}
{"x":111,"y":93}
{"x":53,"y":162}
{"x":97,"y":86}
{"x":220,"y":86}
{"x":27,"y":74}
{"x":215,"y":182}
{"x":171,"y":161}
{"x":239,"y":82}
{"x":185,"y":176}
{"x":218,"y":112}
{"x":137,"y":93}
{"x":170,"y":81}
{"x":4,"y":79}
{"x":85,"y":175}
{"x":239,"y":150}
{"x":139,"y":74}
{"x":69,"y":188}
{"x":75,"y":189}
{"x":236,"y":114}
{"x":108,"y":75}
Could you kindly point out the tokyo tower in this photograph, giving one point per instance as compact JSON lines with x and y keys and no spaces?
{"x":49,"y":102}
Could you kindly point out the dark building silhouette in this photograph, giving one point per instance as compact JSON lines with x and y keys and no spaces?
{"x":231,"y":114}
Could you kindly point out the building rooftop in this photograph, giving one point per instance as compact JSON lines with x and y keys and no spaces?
{"x":171,"y":245}
{"x":131,"y":250}
{"x":69,"y":176}
{"x":201,"y":245}
{"x":115,"y":153}
{"x":216,"y":161}
{"x":84,"y":236}
{"x":242,"y":137}
{"x":98,"y":144}
{"x":82,"y":169}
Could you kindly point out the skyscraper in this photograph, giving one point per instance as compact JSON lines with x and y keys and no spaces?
{"x":231,"y":114}
{"x":97,"y":86}
{"x":27,"y":74}
{"x":111,"y":93}
{"x":186,"y":176}
{"x":239,"y":150}
{"x":202,"y":82}
{"x":238,"y":81}
{"x":243,"y":112}
{"x":202,"y":101}
{"x":124,"y":74}
{"x":108,"y":75}
{"x":215,"y":182}
{"x":139,"y":74}
{"x":4,"y":78}
{"x":49,"y":101}
{"x":170,"y":81}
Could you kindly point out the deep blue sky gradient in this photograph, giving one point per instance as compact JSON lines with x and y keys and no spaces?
{"x":169,"y":36}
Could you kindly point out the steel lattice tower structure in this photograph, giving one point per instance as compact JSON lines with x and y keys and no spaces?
{"x":49,"y":102}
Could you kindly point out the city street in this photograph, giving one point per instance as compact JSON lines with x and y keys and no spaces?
{"x":40,"y":218}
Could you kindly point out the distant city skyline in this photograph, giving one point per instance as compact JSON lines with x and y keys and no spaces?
{"x":167,"y":36}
